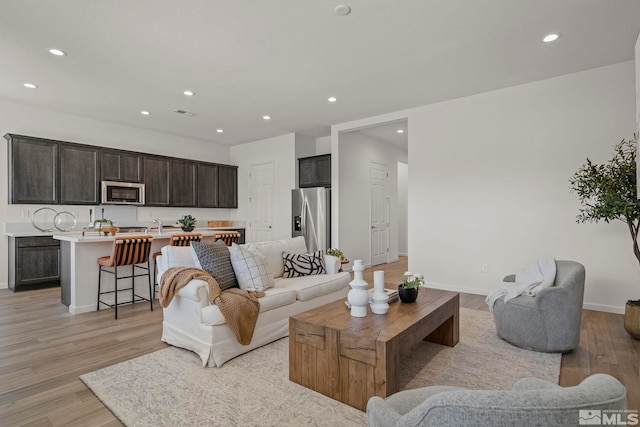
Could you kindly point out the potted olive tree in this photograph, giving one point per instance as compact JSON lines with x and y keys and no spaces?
{"x":608,"y":192}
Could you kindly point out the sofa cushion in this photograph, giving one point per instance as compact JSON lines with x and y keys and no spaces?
{"x":176,"y":256}
{"x":272,"y":250}
{"x":273,"y":298}
{"x":309,"y":287}
{"x":251,"y":268}
{"x":296,"y":265}
{"x":215,"y":258}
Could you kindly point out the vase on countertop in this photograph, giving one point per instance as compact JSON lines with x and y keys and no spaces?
{"x":187,"y":229}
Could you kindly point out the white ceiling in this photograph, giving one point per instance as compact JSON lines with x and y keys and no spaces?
{"x":248,"y":58}
{"x":388,"y":132}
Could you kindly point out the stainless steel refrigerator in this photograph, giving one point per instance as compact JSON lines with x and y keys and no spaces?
{"x":311,"y":217}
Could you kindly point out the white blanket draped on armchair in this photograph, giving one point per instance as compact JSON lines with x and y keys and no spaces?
{"x":537,"y":276}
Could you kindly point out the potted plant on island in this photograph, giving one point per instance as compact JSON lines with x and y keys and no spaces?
{"x":408,"y":289}
{"x":187,"y":222}
{"x":609,"y":192}
{"x":105,"y":226}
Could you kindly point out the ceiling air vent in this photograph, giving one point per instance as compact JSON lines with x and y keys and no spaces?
{"x":185,"y":113}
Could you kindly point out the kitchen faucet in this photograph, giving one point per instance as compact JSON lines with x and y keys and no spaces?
{"x":159,"y":224}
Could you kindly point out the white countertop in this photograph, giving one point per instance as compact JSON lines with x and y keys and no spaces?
{"x":93,"y":237}
{"x":75,"y":233}
{"x":34,"y":233}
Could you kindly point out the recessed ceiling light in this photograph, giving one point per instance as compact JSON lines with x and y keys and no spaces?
{"x":219,"y":130}
{"x":400,"y":131}
{"x":145,"y":112}
{"x":342,"y":10}
{"x":550,"y":37}
{"x":57,"y":52}
{"x":189,"y":92}
{"x":30,"y":85}
{"x":332,"y":99}
{"x":266,"y":117}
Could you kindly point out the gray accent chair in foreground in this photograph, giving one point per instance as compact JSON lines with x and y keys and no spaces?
{"x":551,"y":320}
{"x":531,"y":402}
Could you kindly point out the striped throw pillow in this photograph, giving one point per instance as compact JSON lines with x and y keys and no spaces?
{"x":303,"y":264}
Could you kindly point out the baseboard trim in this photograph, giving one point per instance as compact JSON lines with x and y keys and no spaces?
{"x":4,"y":286}
{"x":82,"y":309}
{"x":465,"y":289}
{"x":477,"y":291}
{"x":603,"y":307}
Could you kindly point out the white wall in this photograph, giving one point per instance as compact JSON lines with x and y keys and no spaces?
{"x":356,"y":152}
{"x":403,"y":211}
{"x":31,"y":121}
{"x":488,"y":183}
{"x":323,"y":145}
{"x":280,"y":151}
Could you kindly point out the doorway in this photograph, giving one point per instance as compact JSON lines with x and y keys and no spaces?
{"x":367,"y":192}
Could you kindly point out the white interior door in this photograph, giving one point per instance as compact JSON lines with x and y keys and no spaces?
{"x":261,"y":202}
{"x":379,"y":214}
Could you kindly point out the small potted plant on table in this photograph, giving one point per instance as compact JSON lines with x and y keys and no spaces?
{"x":408,"y":289}
{"x":187,"y":223}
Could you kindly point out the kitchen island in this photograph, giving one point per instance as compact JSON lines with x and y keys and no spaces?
{"x":79,"y":268}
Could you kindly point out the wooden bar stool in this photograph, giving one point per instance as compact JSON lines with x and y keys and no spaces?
{"x":228,"y":237}
{"x":133,"y":251}
{"x":178,"y":239}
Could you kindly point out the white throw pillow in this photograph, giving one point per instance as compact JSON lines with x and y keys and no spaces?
{"x":251,"y":268}
{"x":176,"y":256}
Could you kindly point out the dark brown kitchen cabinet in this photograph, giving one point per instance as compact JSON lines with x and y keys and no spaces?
{"x":79,"y":175}
{"x":314,"y":171}
{"x":34,"y":262}
{"x":227,"y":186}
{"x":121,"y":166}
{"x":156,"y":172}
{"x":183,"y":183}
{"x":207,"y":185}
{"x":43,"y":171}
{"x":33,"y":170}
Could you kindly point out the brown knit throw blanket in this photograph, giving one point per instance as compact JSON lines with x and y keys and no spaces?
{"x":239,"y":307}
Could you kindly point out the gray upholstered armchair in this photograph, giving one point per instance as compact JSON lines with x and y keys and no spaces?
{"x":531,"y":402}
{"x":551,"y":320}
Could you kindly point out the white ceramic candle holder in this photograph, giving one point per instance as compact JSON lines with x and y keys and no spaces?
{"x":358,"y":296}
{"x":379,"y":299}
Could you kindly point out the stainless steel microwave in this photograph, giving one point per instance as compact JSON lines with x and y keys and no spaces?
{"x":122,"y":193}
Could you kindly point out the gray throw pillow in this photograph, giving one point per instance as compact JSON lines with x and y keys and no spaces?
{"x":215,"y":259}
{"x":303,"y":264}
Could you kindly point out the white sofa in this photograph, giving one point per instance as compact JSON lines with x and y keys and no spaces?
{"x":191,"y":323}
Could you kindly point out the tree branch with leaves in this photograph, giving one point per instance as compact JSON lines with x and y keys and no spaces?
{"x":608,"y":191}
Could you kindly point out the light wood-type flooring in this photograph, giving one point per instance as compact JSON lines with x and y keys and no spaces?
{"x":43,"y":350}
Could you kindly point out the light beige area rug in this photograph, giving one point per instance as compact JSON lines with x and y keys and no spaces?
{"x":171,"y":388}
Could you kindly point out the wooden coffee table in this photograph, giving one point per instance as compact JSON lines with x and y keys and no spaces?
{"x":351,"y":359}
